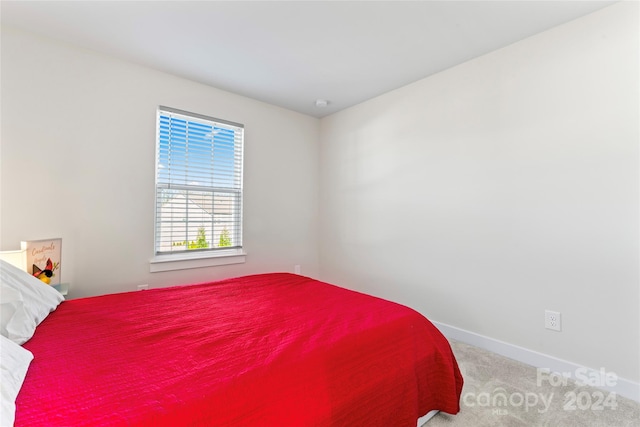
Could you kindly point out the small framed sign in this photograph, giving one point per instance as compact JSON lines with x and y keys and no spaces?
{"x":43,"y":259}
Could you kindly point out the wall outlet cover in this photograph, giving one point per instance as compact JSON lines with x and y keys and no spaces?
{"x":552,"y":320}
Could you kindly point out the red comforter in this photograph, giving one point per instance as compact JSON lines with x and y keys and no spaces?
{"x":265,"y":350}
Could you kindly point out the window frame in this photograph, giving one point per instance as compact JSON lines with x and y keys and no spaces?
{"x":196,"y":258}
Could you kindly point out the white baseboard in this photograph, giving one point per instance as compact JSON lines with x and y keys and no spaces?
{"x":623,"y":387}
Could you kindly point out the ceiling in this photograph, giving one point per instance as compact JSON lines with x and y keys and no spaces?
{"x":292,"y":53}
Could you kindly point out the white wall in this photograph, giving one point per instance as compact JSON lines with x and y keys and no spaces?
{"x":508,"y":185}
{"x":77,"y":162}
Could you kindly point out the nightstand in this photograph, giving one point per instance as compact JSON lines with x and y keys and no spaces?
{"x":63,"y":288}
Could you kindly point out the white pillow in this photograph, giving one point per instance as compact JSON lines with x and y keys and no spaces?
{"x":14,"y":363}
{"x":24,"y":302}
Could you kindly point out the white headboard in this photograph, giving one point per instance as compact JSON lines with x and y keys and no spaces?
{"x":17,"y":258}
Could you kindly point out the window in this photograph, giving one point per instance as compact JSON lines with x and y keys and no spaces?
{"x":198,"y":184}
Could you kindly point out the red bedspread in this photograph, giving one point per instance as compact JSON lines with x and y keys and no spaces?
{"x":265,"y":350}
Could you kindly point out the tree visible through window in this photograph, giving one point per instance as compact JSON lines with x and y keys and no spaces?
{"x":198,"y":183}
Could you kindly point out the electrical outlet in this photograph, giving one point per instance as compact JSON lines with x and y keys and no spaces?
{"x":552,"y":320}
{"x":143,"y":287}
{"x":296,"y":269}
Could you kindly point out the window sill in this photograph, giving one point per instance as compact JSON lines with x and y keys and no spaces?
{"x":184,"y":261}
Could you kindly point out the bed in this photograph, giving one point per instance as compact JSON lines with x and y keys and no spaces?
{"x":263,"y":350}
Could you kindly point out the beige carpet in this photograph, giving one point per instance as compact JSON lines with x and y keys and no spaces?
{"x":501,"y":392}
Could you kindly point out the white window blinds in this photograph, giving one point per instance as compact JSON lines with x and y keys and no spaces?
{"x":198,"y":183}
